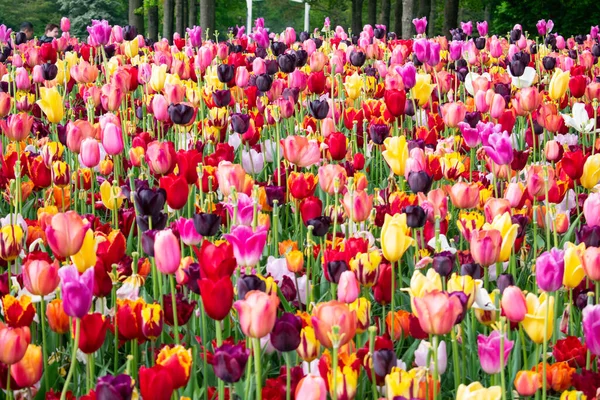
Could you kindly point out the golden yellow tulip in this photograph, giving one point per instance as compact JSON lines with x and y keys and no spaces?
{"x":131,"y":48}
{"x":111,"y":195}
{"x":476,"y":391}
{"x":591,"y":172}
{"x":536,"y":315}
{"x":51,"y":104}
{"x":394,"y":240}
{"x":396,"y":153}
{"x":558,"y":84}
{"x":574,"y":272}
{"x":354,"y":85}
{"x":508,"y":230}
{"x":86,"y":257}
{"x":423,"y":88}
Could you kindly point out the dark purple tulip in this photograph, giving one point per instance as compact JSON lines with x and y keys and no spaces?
{"x":278,"y":48}
{"x":159,"y":221}
{"x":287,"y":62}
{"x":590,"y":235}
{"x":207,"y":224}
{"x":504,"y":281}
{"x":358,"y":58}
{"x":285,"y":335}
{"x":192,"y":272}
{"x":240,"y":123}
{"x":264,"y":82}
{"x":129,"y":32}
{"x":515,"y":35}
{"x":415,"y":216}
{"x":272,"y":67}
{"x":148,"y":242}
{"x":335,"y":270}
{"x":247,"y":283}
{"x":596,"y":50}
{"x":275,"y":193}
{"x":292,"y":94}
{"x":222,"y":98}
{"x":301,"y":58}
{"x":49,"y":71}
{"x":261,"y":52}
{"x":472,"y":269}
{"x":464,"y":300}
{"x":225,"y":72}
{"x":383,"y":361}
{"x":517,"y":67}
{"x":320,"y":225}
{"x":181,"y":114}
{"x":288,"y":289}
{"x":443,"y":263}
{"x":379,"y":132}
{"x":480,"y":43}
{"x":149,"y":201}
{"x":118,"y":387}
{"x":419,"y":181}
{"x":319,"y":108}
{"x":229,"y":362}
{"x":472,"y":118}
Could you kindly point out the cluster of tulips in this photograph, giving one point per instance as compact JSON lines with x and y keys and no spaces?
{"x":313,"y":216}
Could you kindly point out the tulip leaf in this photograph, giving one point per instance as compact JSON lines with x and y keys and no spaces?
{"x":286,"y":305}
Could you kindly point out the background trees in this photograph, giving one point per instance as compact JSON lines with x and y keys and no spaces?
{"x":163,"y":17}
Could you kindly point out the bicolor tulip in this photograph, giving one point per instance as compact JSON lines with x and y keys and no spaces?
{"x":257,"y":313}
{"x":65,"y":233}
{"x":437,"y":312}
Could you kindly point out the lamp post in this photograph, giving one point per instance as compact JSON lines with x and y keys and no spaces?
{"x":306,"y":13}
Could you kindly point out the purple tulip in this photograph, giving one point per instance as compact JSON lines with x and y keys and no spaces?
{"x":187,"y":231}
{"x":591,"y":328}
{"x":542,"y":27}
{"x":409,"y":75}
{"x":488,"y":348}
{"x":77,"y":290}
{"x":550,"y":269}
{"x":467,"y":27}
{"x":195,"y":36}
{"x":482,"y":28}
{"x":114,"y":387}
{"x":471,"y":135}
{"x":456,"y":47}
{"x":229,"y":362}
{"x":420,"y":25}
{"x":247,"y":245}
{"x":100,"y":32}
{"x":4,"y":34}
{"x":499,"y":148}
{"x":594,"y":32}
{"x":434,"y":54}
{"x":285,"y":335}
{"x":421,"y":49}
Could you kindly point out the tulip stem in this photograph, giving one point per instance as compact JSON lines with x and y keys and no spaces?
{"x":288,"y":376}
{"x":502,"y":377}
{"x":393,"y":309}
{"x":44,"y":345}
{"x":435,"y":367}
{"x":257,"y":367}
{"x":63,"y":394}
{"x":545,"y":349}
{"x":9,"y":394}
{"x":455,"y":359}
{"x":174,"y":306}
{"x":219,"y":338}
{"x":372,"y":332}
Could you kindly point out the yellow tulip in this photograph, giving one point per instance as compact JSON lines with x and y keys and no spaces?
{"x":535,"y":317}
{"x":362,"y":308}
{"x":11,"y":241}
{"x":158,"y":77}
{"x":63,"y":73}
{"x":423,"y":88}
{"x":396,"y":153}
{"x":465,"y":284}
{"x":574,"y":272}
{"x":51,"y":104}
{"x":86,"y":257}
{"x":558,"y":84}
{"x":503,"y":224}
{"x":71,"y":58}
{"x":394,"y":240}
{"x":572,"y":395}
{"x":476,"y":391}
{"x":354,"y":85}
{"x":591,"y":172}
{"x":398,"y":384}
{"x":110,"y":195}
{"x":131,"y":48}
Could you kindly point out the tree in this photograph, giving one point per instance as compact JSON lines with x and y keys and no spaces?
{"x":168,"y":19}
{"x":207,"y":15}
{"x":407,"y":16}
{"x":450,"y":16}
{"x":398,"y":16}
{"x":372,"y":12}
{"x":179,"y":17}
{"x":192,"y":17}
{"x":136,"y":14}
{"x":153,"y":20}
{"x":82,"y":12}
{"x":38,"y":12}
{"x":357,"y":24}
{"x":384,"y":17}
{"x":424,"y":9}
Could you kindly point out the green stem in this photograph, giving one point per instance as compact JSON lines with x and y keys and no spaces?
{"x":174,"y":305}
{"x":435,"y":366}
{"x":335,"y":372}
{"x":257,"y":367}
{"x":219,"y":337}
{"x":63,"y":395}
{"x":455,"y":359}
{"x":288,"y":376}
{"x":44,"y":345}
{"x":545,"y":349}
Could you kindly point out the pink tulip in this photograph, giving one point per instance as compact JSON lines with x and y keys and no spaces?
{"x":453,"y":113}
{"x":247,"y":244}
{"x":89,"y":155}
{"x":300,"y":151}
{"x":17,"y":126}
{"x":65,"y":233}
{"x":348,"y":288}
{"x":167,"y":252}
{"x":112,"y":139}
{"x":65,"y":24}
{"x":187,"y":232}
{"x":488,"y":349}
{"x":22,"y":79}
{"x":437,"y":312}
{"x":311,"y":387}
{"x":514,"y":304}
{"x":591,"y":208}
{"x":242,"y":76}
{"x":257,"y":313}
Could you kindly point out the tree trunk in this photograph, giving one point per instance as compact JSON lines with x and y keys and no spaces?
{"x":431,"y":19}
{"x":153,"y":22}
{"x":357,"y":24}
{"x":168,"y":19}
{"x":398,"y":18}
{"x":384,"y":17}
{"x":192,"y":17}
{"x":407,"y":16}
{"x":450,"y":17}
{"x":136,"y":18}
{"x":179,"y":17}
{"x":207,"y":16}
{"x":424,"y":9}
{"x":372,"y":12}
{"x":487,"y":13}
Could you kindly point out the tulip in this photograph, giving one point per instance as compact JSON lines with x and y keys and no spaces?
{"x":17,"y":126}
{"x":177,"y":190}
{"x":423,"y":88}
{"x":536,"y":315}
{"x":257,"y":313}
{"x":437,"y":312}
{"x":464,"y":195}
{"x":300,"y":151}
{"x":229,"y":362}
{"x":77,"y":290}
{"x":558,"y":84}
{"x":51,"y":104}
{"x":453,"y":113}
{"x":118,"y":387}
{"x":14,"y":343}
{"x":348,"y":287}
{"x":217,"y":297}
{"x":574,"y":271}
{"x":527,"y":383}
{"x":591,"y":172}
{"x":591,"y":263}
{"x":514,"y":304}
{"x":247,"y":244}
{"x":354,"y":85}
{"x":485,"y":246}
{"x":112,"y":139}
{"x":158,"y":77}
{"x":111,"y":196}
{"x":65,"y":233}
{"x":394,"y":240}
{"x":422,"y":355}
{"x":156,"y":383}
{"x":285,"y":336}
{"x":550,"y":268}
{"x":167,"y":252}
{"x":28,"y":371}
{"x":396,"y":153}
{"x":476,"y":391}
{"x":420,"y":25}
{"x":508,"y":230}
{"x":58,"y":320}
{"x":358,"y":205}
{"x":311,"y":387}
{"x":40,"y":277}
{"x":187,"y":231}
{"x":333,"y":313}
{"x":11,"y":241}
{"x":488,"y":349}
{"x":86,"y":257}
{"x":499,"y":148}
{"x":178,"y":362}
{"x":230,"y":176}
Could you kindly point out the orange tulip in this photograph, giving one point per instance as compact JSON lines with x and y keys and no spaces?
{"x":327,"y":315}
{"x":28,"y":371}
{"x":437,"y":312}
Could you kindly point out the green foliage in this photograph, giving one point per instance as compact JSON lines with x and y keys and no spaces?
{"x":38,"y":12}
{"x":81,"y":13}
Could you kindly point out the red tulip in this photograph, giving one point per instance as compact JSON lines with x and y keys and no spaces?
{"x":395,"y":100}
{"x":156,"y":383}
{"x":217,"y":297}
{"x":177,"y":190}
{"x":93,"y":332}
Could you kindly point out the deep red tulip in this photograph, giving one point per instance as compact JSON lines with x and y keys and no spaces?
{"x":395,"y":100}
{"x":93,"y":332}
{"x":337,"y":145}
{"x":217,"y":297}
{"x":156,"y":383}
{"x":577,"y":85}
{"x":177,"y":190}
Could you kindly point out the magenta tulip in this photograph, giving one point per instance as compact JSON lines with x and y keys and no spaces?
{"x":488,"y":348}
{"x":247,"y":244}
{"x":550,"y":269}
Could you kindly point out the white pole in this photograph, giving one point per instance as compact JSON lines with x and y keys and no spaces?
{"x":306,"y":16}
{"x":249,"y":18}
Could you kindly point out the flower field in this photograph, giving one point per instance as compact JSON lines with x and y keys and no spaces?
{"x":300,"y":215}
